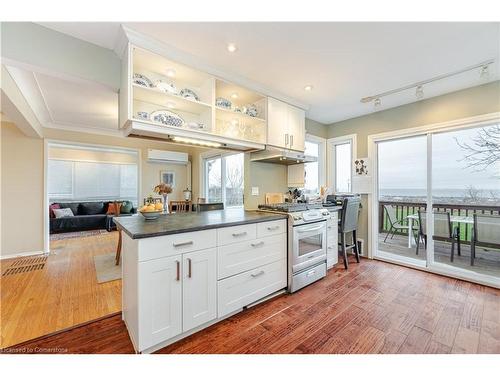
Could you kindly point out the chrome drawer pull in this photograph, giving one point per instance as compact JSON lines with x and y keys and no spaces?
{"x":310,"y":273}
{"x":257,"y":244}
{"x":239,"y":234}
{"x":183,"y":243}
{"x":190,"y":273}
{"x":273,"y":228}
{"x":178,"y":277}
{"x":257,"y":274}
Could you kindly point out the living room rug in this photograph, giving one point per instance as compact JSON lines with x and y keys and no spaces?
{"x":85,"y":233}
{"x":106,"y":269}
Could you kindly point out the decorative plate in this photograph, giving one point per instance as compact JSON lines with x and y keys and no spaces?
{"x":166,"y":87}
{"x":167,"y":118}
{"x":223,"y":103}
{"x":142,"y":80}
{"x":189,"y":94}
{"x":251,"y":111}
{"x":143,"y":115}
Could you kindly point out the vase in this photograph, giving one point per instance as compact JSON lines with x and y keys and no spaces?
{"x":165,"y":203}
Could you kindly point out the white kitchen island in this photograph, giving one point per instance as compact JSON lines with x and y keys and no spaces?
{"x":187,"y":271}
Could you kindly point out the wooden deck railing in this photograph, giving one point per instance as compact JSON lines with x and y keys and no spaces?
{"x":403,"y":209}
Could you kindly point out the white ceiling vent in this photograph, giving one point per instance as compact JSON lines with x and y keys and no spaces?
{"x":160,"y":156}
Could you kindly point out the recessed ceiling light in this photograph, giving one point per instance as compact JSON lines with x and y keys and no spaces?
{"x":231,"y":47}
{"x":308,"y":88}
{"x":234,"y":95}
{"x":170,"y":73}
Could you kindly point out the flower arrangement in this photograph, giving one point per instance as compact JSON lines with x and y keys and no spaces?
{"x":163,"y":189}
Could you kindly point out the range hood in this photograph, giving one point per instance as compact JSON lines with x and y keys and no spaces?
{"x":281,"y":156}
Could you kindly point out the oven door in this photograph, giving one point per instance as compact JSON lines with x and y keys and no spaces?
{"x":309,"y":245}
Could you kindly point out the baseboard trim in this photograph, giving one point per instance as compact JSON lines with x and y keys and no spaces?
{"x":27,"y":342}
{"x":24,"y":254}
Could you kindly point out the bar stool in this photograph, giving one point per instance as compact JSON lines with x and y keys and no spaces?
{"x":349,"y":224}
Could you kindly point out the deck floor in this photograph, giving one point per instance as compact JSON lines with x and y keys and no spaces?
{"x":487,"y":261}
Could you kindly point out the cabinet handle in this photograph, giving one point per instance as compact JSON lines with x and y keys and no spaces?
{"x":273,"y":228}
{"x":183,"y":243}
{"x":257,"y":274}
{"x":239,"y":234}
{"x":190,"y":274}
{"x":178,"y":270}
{"x":310,"y":273}
{"x":286,"y":139}
{"x":291,"y":140}
{"x":330,"y":227}
{"x":257,"y":244}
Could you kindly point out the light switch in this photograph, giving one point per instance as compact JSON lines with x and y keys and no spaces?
{"x":255,"y":190}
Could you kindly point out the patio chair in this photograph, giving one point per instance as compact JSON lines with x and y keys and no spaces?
{"x":349,"y":224}
{"x":396,"y":224}
{"x":442,"y":229}
{"x":485,"y":232}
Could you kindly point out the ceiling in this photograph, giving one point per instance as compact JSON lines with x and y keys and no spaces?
{"x":343,"y":61}
{"x":68,"y":104}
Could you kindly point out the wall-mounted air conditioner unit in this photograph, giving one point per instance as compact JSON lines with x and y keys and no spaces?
{"x":160,"y":156}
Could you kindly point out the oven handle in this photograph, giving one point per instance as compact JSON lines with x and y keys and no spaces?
{"x":311,"y":229}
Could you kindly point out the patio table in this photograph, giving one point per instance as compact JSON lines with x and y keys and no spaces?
{"x":453,"y":219}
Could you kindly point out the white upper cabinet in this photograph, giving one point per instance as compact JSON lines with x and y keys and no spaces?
{"x":285,"y":125}
{"x":277,"y":123}
{"x":297,"y":128}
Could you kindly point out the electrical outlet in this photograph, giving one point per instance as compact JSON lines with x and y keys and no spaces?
{"x":255,"y":190}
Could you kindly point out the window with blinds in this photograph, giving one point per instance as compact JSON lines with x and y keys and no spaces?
{"x":87,"y":181}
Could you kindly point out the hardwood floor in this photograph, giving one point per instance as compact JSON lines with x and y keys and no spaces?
{"x":63,"y":294}
{"x":374,"y":307}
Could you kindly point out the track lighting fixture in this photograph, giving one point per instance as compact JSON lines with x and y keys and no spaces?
{"x":377,"y":103}
{"x":419,"y":93}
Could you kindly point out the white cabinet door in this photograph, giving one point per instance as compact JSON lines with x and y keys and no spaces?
{"x":277,"y":123}
{"x":199,"y":288}
{"x":296,"y":175}
{"x":160,"y":300}
{"x":297,"y":128}
{"x":332,"y":239}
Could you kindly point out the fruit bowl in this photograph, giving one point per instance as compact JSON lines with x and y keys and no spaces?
{"x":151,"y":215}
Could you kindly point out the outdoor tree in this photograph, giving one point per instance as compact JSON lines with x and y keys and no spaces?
{"x":483,"y":151}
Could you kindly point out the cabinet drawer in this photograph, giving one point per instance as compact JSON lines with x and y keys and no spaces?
{"x":244,"y":256}
{"x":241,"y":290}
{"x":271,"y":228}
{"x":162,"y":246}
{"x":239,"y":233}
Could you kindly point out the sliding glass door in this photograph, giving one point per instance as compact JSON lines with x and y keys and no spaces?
{"x":437,"y":200}
{"x":466,"y":200}
{"x":402,"y":194}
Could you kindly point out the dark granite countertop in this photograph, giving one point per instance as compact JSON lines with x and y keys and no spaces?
{"x":137,"y":227}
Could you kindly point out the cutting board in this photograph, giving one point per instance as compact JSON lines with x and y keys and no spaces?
{"x":272,"y":198}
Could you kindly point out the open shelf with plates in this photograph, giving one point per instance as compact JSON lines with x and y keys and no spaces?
{"x":159,"y":92}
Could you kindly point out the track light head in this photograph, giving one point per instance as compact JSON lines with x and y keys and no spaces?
{"x":419,"y":92}
{"x":377,"y":103}
{"x":484,"y":72}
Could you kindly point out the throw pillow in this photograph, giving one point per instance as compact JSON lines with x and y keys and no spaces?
{"x":63,"y":212}
{"x":114,"y":208}
{"x":126,"y":207}
{"x":91,"y":208}
{"x":51,"y":209}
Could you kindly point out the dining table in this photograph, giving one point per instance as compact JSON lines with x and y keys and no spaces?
{"x":457,"y":219}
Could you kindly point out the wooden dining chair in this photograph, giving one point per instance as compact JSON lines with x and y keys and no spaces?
{"x":180,"y":206}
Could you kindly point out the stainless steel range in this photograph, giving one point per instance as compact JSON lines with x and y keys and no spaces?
{"x":306,"y":241}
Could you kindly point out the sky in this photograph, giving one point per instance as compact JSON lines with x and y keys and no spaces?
{"x":402,"y":163}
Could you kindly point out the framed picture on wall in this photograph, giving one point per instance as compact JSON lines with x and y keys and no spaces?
{"x":167,"y":177}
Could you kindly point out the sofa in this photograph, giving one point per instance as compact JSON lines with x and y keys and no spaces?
{"x":87,"y":216}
